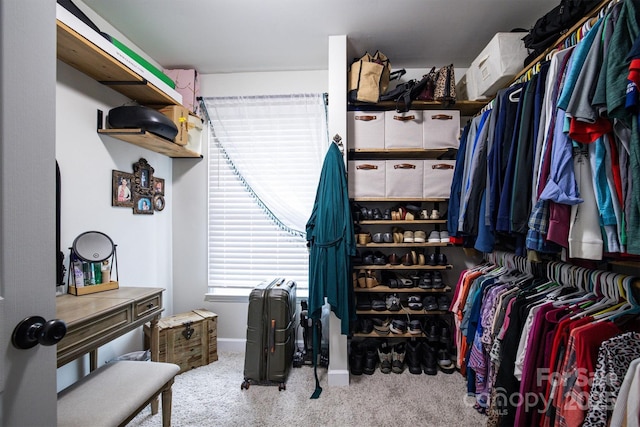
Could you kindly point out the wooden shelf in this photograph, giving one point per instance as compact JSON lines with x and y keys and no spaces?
{"x":399,"y":199}
{"x":85,"y":56}
{"x":374,"y":334}
{"x":150,"y":141}
{"x":466,"y":108}
{"x":402,"y":267}
{"x":403,"y":245}
{"x":388,"y":290}
{"x":396,"y":222}
{"x":402,"y":312}
{"x":399,"y":153}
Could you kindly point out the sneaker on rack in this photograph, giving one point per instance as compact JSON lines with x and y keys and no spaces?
{"x":429,"y":303}
{"x":398,"y":326}
{"x":415,"y":327}
{"x":444,"y":361}
{"x":393,"y":302}
{"x":434,"y":237}
{"x":414,"y":302}
{"x":444,"y":237}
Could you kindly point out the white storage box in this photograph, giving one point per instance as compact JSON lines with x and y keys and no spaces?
{"x":498,"y":63}
{"x":438,"y":175}
{"x":365,"y":129}
{"x":440,"y":129}
{"x":403,"y":130}
{"x":466,"y":89}
{"x":404,"y":178}
{"x":366,"y":178}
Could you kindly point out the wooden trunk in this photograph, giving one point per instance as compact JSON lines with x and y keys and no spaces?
{"x":189,"y":339}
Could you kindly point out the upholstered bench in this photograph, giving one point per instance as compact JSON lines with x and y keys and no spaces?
{"x":115,"y":393}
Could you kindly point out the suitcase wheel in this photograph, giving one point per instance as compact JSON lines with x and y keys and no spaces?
{"x":245,"y":385}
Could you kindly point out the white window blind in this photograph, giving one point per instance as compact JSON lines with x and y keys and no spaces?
{"x":265,"y":158}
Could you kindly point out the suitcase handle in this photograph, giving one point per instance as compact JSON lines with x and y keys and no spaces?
{"x":366,"y":118}
{"x":441,"y":117}
{"x":272,"y":336}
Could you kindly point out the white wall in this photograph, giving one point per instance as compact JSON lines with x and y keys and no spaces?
{"x":86,"y":162}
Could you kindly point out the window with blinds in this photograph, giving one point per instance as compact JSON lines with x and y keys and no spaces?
{"x":261,"y":169}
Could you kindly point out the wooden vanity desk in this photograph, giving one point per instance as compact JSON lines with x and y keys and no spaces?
{"x":96,"y":319}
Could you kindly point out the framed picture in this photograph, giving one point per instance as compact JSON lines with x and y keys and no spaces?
{"x":158,"y":202}
{"x":143,"y":205}
{"x":158,"y":186}
{"x":122,"y":189}
{"x":143,"y":179}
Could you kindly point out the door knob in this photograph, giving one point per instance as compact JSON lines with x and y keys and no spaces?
{"x":35,"y":330}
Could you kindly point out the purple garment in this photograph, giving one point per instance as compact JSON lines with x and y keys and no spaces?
{"x":529,"y":368}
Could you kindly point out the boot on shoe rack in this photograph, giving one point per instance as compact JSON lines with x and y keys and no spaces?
{"x":412,"y":357}
{"x":428,"y":359}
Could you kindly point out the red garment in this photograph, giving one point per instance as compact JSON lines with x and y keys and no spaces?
{"x":587,"y":340}
{"x":586,"y":132}
{"x":634,"y":71}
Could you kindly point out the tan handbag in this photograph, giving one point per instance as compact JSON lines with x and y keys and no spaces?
{"x":369,"y":77}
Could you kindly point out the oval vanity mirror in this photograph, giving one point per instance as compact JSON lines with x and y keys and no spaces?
{"x":93,"y":246}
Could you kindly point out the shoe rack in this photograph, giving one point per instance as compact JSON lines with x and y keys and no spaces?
{"x":375,"y":267}
{"x":384,"y":252}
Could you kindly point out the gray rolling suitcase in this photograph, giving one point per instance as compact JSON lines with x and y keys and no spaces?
{"x":270,"y":333}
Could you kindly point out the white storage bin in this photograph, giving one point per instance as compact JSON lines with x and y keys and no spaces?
{"x":498,"y":63}
{"x":404,"y":178}
{"x":365,"y":129}
{"x":441,"y":129}
{"x":366,"y":178}
{"x":403,"y":130}
{"x":438,"y":175}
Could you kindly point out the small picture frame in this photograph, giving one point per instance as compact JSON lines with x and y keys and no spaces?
{"x":158,"y":186}
{"x":143,"y":205}
{"x":143,"y":179}
{"x":158,"y":202}
{"x":122,"y":189}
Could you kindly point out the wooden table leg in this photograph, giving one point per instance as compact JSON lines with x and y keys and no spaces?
{"x":155,"y":354}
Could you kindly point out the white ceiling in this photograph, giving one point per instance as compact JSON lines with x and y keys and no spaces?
{"x":224,"y":36}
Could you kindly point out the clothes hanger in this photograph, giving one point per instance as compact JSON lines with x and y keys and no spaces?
{"x":630,"y":307}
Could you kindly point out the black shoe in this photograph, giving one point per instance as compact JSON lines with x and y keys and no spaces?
{"x":426,"y":281}
{"x":442,"y":259}
{"x":414,"y":302}
{"x":444,"y":361}
{"x":384,"y":353}
{"x":438,"y":283}
{"x":429,"y":303}
{"x":444,"y":303}
{"x":398,"y":354}
{"x":398,"y":326}
{"x":412,"y":357}
{"x":366,"y":326}
{"x":445,"y":336}
{"x":356,"y":360}
{"x":428,"y":359}
{"x":370,"y":361}
{"x":415,"y":327}
{"x":432,"y":332}
{"x":433,"y":259}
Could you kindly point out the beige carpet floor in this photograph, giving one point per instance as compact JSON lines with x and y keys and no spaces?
{"x":211,"y":396}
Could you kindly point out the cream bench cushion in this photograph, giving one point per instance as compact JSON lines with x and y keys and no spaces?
{"x":113,"y":394}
